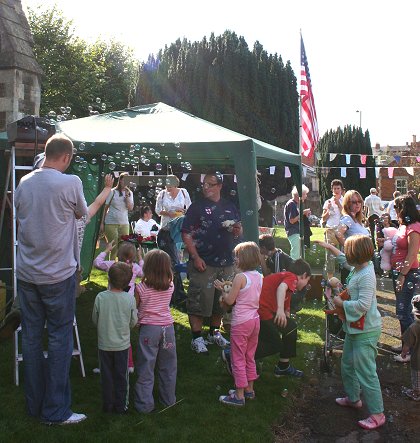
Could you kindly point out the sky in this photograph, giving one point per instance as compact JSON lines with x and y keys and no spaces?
{"x":361,"y":53}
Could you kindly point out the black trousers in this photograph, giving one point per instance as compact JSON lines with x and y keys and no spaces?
{"x":273,"y":339}
{"x":114,"y":380}
{"x":372,"y":226}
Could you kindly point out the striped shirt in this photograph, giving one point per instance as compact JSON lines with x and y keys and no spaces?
{"x":154,"y":305}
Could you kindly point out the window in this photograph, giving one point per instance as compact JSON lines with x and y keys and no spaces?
{"x":401,"y":185}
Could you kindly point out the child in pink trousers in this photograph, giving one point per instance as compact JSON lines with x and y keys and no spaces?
{"x":127,"y":254}
{"x":244,"y":295}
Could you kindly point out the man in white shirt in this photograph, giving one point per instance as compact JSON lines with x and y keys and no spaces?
{"x":331,"y":218}
{"x":391,"y":208}
{"x":373,"y":210}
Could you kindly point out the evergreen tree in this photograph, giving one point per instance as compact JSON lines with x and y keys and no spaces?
{"x":350,"y":140}
{"x":221,"y":80}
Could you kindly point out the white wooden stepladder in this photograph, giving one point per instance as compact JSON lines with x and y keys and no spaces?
{"x":10,"y":187}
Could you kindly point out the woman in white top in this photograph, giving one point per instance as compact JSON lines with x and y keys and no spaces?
{"x":391,"y":208}
{"x":173,"y":201}
{"x":145,"y":225}
{"x":352,"y":220}
{"x":115,"y":220}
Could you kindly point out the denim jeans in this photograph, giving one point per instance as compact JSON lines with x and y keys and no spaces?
{"x":403,"y":298}
{"x":47,"y":383}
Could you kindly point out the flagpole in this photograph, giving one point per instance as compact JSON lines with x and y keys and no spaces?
{"x":301,"y":228}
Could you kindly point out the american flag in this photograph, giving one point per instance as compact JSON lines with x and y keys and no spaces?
{"x":308,"y":120}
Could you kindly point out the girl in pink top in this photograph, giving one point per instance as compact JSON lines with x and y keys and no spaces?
{"x":157,"y":335}
{"x":127,"y":254}
{"x":245,"y":326}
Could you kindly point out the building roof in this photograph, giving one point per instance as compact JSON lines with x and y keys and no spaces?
{"x":15,"y":39}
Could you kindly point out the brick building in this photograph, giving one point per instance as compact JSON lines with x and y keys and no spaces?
{"x":398,"y":157}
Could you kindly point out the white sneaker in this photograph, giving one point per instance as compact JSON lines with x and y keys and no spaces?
{"x":400,"y":359}
{"x":199,"y":346}
{"x":74,"y":418}
{"x":218,"y":339}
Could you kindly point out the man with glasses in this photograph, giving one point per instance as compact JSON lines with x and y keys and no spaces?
{"x":373,"y":210}
{"x":208,"y":234}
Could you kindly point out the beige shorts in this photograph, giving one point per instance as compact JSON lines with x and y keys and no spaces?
{"x":202,"y":296}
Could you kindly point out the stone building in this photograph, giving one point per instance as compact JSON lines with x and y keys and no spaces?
{"x":20,"y":74}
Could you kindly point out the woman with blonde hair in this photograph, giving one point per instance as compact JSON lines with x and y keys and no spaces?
{"x":351,"y":222}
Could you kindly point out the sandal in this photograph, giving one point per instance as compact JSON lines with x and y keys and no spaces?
{"x":344,"y":401}
{"x":372,"y":422}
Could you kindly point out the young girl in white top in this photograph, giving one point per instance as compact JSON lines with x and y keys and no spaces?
{"x":127,"y":254}
{"x":245,"y":326}
{"x":157,"y":335}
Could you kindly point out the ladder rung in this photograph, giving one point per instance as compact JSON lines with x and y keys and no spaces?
{"x":24,"y":168}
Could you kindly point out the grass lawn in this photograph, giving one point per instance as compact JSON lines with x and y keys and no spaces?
{"x":315,"y":256}
{"x":198,"y":416}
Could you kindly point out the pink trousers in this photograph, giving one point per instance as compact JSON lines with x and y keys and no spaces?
{"x":243,"y":343}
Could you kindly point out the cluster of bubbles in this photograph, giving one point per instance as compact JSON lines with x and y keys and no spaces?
{"x":96,"y":107}
{"x":64,"y":114}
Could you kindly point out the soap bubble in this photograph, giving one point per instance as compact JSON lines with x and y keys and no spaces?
{"x":94,"y":161}
{"x":82,"y":147}
{"x":52,"y":114}
{"x":179,"y":156}
{"x":249,"y":212}
{"x":102,"y":174}
{"x":77,"y":159}
{"x":146,"y":162}
{"x":62,"y":109}
{"x":318,"y":261}
{"x":103,"y":107}
{"x":144,"y":150}
{"x":111,"y":166}
{"x":407,"y":219}
{"x":308,"y":287}
{"x":110,"y":158}
{"x":98,"y":100}
{"x":68,"y":110}
{"x":177,"y":145}
{"x":127,"y":160}
{"x":150,"y":183}
{"x":122,"y":153}
{"x":89,"y":177}
{"x":157,"y":155}
{"x":162,"y":144}
{"x":273,"y":190}
{"x":90,"y":108}
{"x":410,"y":285}
{"x":104,"y":157}
{"x":74,"y":151}
{"x":151,"y":151}
{"x":233,"y":193}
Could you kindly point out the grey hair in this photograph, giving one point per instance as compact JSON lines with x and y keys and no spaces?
{"x":295,"y":192}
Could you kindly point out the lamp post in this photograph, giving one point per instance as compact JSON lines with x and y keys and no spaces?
{"x":360,"y":118}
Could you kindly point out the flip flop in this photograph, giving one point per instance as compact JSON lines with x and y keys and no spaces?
{"x":372,"y":422}
{"x":344,"y":401}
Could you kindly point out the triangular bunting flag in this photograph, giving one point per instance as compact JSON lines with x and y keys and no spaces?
{"x":305,"y":170}
{"x":348,"y":157}
{"x":363,"y":158}
{"x":397,"y":158}
{"x":184,"y":177}
{"x":362,"y":172}
{"x":343,"y":172}
{"x":272,"y":170}
{"x":390,"y":172}
{"x":287,"y":173}
{"x":410,"y":170}
{"x":377,"y":170}
{"x":332,"y":157}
